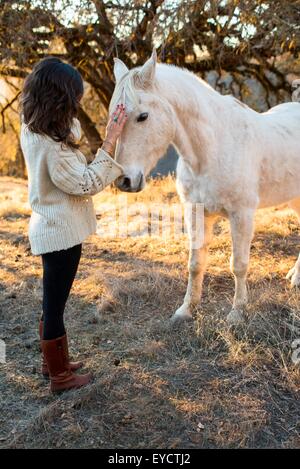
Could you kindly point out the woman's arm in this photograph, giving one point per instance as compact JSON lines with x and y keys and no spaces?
{"x":72,"y":176}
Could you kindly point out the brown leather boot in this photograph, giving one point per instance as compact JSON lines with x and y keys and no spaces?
{"x":45,"y":372}
{"x":61,"y":375}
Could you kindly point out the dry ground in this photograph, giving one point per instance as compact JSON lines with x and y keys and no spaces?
{"x":199,"y":386}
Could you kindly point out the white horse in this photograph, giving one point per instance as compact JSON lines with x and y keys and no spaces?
{"x":232,"y":159}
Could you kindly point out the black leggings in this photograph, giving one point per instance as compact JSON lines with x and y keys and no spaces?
{"x":60,"y":268}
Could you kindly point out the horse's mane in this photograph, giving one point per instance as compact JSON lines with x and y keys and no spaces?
{"x":126,"y":87}
{"x":125,"y":91}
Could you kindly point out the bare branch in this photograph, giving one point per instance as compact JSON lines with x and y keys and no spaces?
{"x":6,"y":107}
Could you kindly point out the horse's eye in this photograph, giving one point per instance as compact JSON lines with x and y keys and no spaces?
{"x":142,"y":117}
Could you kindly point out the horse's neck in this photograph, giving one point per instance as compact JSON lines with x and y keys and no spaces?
{"x":196,"y":109}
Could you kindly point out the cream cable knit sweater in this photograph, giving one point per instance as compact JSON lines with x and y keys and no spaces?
{"x":61,"y":184}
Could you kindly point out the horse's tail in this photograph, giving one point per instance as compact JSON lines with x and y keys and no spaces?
{"x":296,"y":92}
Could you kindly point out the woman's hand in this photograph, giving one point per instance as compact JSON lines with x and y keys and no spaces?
{"x":114,"y":128}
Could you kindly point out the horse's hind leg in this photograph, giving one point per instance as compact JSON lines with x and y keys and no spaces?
{"x":294,"y":273}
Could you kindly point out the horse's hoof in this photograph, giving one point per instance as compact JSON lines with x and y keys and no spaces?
{"x":180,"y":316}
{"x":295,"y":281}
{"x":235,"y":317}
{"x":294,"y":276}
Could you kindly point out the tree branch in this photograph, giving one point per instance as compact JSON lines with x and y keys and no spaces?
{"x":90,"y":131}
{"x":102,"y":15}
{"x":7,"y":106}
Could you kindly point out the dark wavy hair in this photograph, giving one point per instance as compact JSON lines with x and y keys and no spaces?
{"x":50,"y":99}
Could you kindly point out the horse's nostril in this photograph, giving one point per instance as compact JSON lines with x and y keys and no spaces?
{"x":126,"y":183}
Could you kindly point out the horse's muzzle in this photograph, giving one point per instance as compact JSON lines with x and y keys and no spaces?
{"x":126,"y":184}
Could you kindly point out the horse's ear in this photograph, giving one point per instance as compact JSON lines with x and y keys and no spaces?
{"x":119,"y":69}
{"x":147,"y":72}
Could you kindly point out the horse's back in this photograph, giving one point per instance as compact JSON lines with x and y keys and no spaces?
{"x":281,"y":126}
{"x":291,"y":109}
{"x":280,"y":168}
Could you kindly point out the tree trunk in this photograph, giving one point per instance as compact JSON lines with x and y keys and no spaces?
{"x":20,"y":166}
{"x":90,"y":131}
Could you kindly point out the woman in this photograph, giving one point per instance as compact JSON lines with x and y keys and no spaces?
{"x":61,"y":184}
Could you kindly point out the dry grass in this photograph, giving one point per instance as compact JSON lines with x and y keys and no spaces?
{"x":153,"y":385}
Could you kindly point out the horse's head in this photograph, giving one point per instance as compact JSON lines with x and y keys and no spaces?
{"x":150,"y":126}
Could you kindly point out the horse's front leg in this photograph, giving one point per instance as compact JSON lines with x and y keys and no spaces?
{"x":241,"y":224}
{"x":197,"y":266}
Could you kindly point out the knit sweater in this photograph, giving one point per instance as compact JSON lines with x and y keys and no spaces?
{"x":61,"y":184}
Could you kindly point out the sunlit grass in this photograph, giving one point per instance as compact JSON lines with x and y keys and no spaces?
{"x":153,"y":385}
